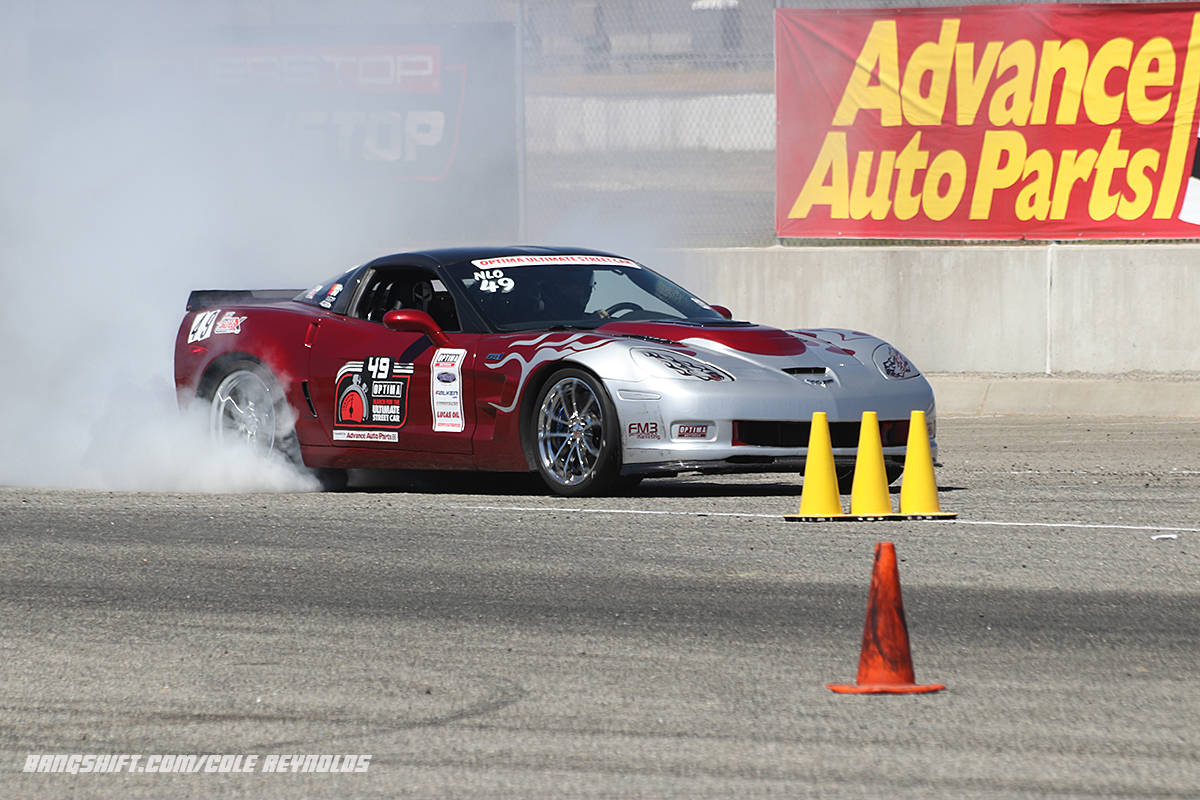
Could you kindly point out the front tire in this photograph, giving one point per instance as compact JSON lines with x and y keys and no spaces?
{"x":576,"y":441}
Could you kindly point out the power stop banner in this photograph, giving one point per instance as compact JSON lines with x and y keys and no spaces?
{"x":990,"y":122}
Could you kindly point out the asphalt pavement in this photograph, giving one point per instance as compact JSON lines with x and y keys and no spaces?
{"x":479,"y":639}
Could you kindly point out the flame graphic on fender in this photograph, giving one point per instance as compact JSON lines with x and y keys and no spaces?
{"x":833,"y":348}
{"x":546,"y":351}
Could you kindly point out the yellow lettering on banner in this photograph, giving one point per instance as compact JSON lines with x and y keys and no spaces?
{"x":878,"y":202}
{"x":831,"y":163}
{"x":1103,"y":204}
{"x":879,"y":52}
{"x":1103,"y":108}
{"x":969,"y":87}
{"x":1012,"y":100}
{"x":1072,"y":60}
{"x":1022,"y":87}
{"x":1001,"y":161}
{"x":1033,"y":202}
{"x":933,"y":59}
{"x":1072,"y":167}
{"x":1183,"y":139}
{"x":911,"y":159}
{"x":949,"y":164}
{"x":1143,"y":189}
{"x":1158,"y":51}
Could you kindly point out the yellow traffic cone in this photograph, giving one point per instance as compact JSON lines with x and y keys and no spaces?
{"x":918,"y":489}
{"x":869,"y":491}
{"x":819,"y":497}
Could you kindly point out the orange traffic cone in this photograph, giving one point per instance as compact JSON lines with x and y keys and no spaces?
{"x":885,"y":665}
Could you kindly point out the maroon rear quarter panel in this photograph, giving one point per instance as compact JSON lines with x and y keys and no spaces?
{"x":273,"y":335}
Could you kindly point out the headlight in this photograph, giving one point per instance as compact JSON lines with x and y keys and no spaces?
{"x":665,"y":364}
{"x":892,"y":363}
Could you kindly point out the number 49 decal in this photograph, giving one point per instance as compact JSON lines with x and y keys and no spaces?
{"x":202,"y":325}
{"x":380,"y":367}
{"x":493,"y":280}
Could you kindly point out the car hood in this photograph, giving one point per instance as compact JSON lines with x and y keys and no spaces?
{"x":764,"y":346}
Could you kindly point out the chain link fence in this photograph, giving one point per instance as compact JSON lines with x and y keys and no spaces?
{"x":653,"y":119}
{"x":655,"y":114}
{"x":645,"y":120}
{"x":650,"y":119}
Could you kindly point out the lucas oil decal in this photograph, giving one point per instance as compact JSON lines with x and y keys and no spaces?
{"x":372,"y":400}
{"x":446,"y":390}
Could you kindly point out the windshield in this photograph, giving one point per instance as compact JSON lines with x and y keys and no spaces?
{"x":526,"y":293}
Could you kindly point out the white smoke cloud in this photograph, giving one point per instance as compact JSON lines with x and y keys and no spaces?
{"x":108,"y":218}
{"x":114,"y":207}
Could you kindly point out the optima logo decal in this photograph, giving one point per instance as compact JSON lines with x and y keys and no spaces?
{"x":372,"y":400}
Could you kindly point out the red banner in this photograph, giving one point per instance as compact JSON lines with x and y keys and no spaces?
{"x":988,"y":122}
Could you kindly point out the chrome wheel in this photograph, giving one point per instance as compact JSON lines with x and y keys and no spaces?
{"x":243,"y":410}
{"x":570,"y":431}
{"x":575,"y":435}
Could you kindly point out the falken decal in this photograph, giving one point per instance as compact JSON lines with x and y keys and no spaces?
{"x":371,"y":400}
{"x":446,"y":390}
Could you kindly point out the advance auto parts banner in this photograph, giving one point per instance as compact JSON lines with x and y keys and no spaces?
{"x":991,"y":122}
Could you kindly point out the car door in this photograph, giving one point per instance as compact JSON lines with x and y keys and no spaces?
{"x":379,"y":389}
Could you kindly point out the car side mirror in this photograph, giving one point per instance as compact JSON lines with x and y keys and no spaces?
{"x":416,"y":321}
{"x":723,"y":311}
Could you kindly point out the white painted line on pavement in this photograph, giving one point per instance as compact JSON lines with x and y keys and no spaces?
{"x":616,"y":511}
{"x":780,"y":516}
{"x":1077,"y":525}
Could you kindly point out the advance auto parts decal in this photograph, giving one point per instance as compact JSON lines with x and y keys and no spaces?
{"x":372,"y":400}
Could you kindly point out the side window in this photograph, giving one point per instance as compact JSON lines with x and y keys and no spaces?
{"x":390,"y":289}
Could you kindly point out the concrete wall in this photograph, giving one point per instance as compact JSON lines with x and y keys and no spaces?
{"x":1051,"y":309}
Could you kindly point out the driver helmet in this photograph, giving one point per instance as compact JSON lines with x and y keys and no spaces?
{"x":567,"y":292}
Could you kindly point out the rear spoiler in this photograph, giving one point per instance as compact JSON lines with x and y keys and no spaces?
{"x":206,"y":298}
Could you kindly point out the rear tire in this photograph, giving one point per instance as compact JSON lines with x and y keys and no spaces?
{"x":574,"y":435}
{"x":247,"y":406}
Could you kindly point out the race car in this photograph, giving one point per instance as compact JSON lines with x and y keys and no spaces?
{"x":585,"y":367}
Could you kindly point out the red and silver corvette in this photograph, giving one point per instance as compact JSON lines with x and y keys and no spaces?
{"x":583,"y":366}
